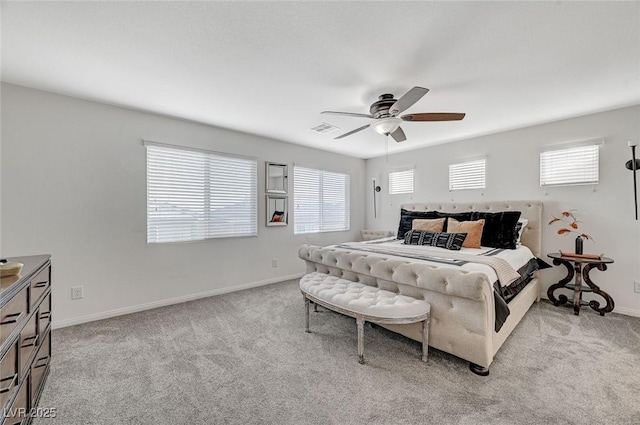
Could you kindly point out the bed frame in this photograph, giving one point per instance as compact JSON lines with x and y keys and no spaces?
{"x":462,"y":305}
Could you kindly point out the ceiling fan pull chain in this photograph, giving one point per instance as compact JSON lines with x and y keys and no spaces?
{"x":386,"y":146}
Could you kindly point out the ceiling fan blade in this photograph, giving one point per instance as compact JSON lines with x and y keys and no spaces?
{"x":349,"y":114}
{"x":407,"y":100}
{"x":398,"y":135}
{"x":352,"y":132}
{"x":434,"y":116}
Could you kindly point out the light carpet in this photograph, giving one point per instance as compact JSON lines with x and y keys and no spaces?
{"x":244,"y":358}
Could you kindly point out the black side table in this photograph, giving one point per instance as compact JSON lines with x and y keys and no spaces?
{"x":574,"y":268}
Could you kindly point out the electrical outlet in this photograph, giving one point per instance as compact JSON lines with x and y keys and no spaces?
{"x":636,"y":286}
{"x":77,"y":292}
{"x":274,"y":262}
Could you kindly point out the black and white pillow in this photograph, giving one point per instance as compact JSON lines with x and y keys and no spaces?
{"x":452,"y":241}
{"x":520,"y":226}
{"x":407,"y":217}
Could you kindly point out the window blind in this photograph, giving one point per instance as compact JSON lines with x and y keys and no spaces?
{"x":577,"y":165}
{"x":321,"y":200}
{"x":467,"y":175}
{"x":195,"y":195}
{"x":401,"y":182}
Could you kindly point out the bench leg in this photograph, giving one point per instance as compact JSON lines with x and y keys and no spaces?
{"x":306,"y":311}
{"x":360,"y":323}
{"x":315,"y":307}
{"x":425,"y":340}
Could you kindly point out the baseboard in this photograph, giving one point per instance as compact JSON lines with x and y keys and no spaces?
{"x":626,"y":311}
{"x":162,"y":303}
{"x":617,"y":310}
{"x":214,"y":292}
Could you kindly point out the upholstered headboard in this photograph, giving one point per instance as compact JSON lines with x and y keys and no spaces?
{"x":531,"y":210}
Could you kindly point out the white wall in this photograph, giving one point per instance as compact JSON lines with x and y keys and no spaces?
{"x":74,"y":185}
{"x":513,"y":174}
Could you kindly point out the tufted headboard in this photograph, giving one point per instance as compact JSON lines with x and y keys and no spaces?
{"x":531,"y":210}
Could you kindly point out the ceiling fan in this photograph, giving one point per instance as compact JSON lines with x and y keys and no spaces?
{"x":385,"y":113}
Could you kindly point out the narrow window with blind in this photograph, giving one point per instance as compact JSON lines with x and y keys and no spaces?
{"x":571,"y":166}
{"x":468,"y":175}
{"x":401,"y":182}
{"x":321,"y":201}
{"x":194,"y":195}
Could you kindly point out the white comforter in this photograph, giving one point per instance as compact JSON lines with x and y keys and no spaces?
{"x":516,"y":258}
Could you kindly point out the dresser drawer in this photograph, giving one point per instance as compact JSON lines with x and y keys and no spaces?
{"x":18,"y":411}
{"x":39,"y":285}
{"x":40,"y":365}
{"x":28,"y":342}
{"x":12,"y":313}
{"x":44,"y":314}
{"x":8,"y":374}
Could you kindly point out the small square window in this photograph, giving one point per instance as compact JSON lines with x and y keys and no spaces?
{"x":571,"y":166}
{"x":401,"y":182}
{"x":467,"y":175}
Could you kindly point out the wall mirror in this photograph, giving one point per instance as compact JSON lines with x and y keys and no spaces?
{"x":277,"y":210}
{"x":276,"y":179}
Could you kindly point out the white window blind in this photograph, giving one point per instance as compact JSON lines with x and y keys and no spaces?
{"x":194,"y":195}
{"x":401,"y":182}
{"x":576,"y":165}
{"x":467,"y":175}
{"x":321,"y":201}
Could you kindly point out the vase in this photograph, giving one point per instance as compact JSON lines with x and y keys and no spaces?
{"x":579,"y":245}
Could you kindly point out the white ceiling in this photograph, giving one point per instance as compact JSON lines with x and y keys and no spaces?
{"x":270,"y":68}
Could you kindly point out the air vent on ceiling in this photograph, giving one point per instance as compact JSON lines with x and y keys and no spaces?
{"x":324,"y":128}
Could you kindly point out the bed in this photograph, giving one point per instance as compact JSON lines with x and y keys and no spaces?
{"x":468,"y":299}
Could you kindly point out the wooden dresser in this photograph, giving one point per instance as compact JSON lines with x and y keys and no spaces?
{"x":25,"y":338}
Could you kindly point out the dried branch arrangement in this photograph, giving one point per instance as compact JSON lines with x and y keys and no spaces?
{"x":569,"y":220}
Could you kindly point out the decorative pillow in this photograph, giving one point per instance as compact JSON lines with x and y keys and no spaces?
{"x":520,"y":225}
{"x":461,"y":216}
{"x":452,"y":241}
{"x":499,"y":228}
{"x":431,"y":225}
{"x":407,"y":217}
{"x":473,"y":229}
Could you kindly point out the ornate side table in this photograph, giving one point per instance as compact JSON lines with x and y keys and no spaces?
{"x":579,"y":274}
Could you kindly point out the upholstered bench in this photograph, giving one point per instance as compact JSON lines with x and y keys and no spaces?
{"x":366,"y":304}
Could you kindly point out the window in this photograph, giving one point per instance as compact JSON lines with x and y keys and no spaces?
{"x":401,"y":182}
{"x":321,"y":201}
{"x":576,"y":165}
{"x":467,"y":175}
{"x":194,"y":195}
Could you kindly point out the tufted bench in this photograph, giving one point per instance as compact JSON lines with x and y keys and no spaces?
{"x":365,"y":303}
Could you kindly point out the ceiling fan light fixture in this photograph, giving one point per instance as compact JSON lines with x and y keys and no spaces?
{"x":385,"y":110}
{"x":386,"y":125}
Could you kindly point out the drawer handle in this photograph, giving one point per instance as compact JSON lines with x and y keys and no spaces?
{"x":13,"y":379}
{"x":33,"y":339}
{"x":45,"y":315}
{"x":12,"y":318}
{"x":41,"y":284}
{"x":44,"y":360}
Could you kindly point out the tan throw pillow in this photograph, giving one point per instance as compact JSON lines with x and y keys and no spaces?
{"x":429,"y":225}
{"x":473,"y":229}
